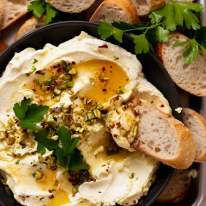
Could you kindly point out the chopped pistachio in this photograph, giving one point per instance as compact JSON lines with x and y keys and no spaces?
{"x":131,"y":176}
{"x":57,"y":91}
{"x":35,"y":61}
{"x":33,"y":68}
{"x":121,"y":90}
{"x":55,"y":137}
{"x":48,"y":82}
{"x":36,"y":81}
{"x":73,"y":71}
{"x":38,"y":175}
{"x":97,"y":113}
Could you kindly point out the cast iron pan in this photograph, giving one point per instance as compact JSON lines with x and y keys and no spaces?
{"x":153,"y":70}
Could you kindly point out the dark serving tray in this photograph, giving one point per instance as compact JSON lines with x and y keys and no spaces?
{"x":153,"y":70}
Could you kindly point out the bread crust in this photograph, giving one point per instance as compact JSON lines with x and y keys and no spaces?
{"x":2,"y":10}
{"x":66,"y":5}
{"x":201,"y":121}
{"x":28,"y":26}
{"x":123,"y":4}
{"x":156,"y":4}
{"x":150,"y":4}
{"x":177,"y":188}
{"x":186,"y":149}
{"x":14,"y":11}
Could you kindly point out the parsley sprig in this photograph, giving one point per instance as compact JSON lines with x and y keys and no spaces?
{"x":174,"y":15}
{"x":64,"y":148}
{"x":40,"y":8}
{"x":191,"y":49}
{"x":29,"y":114}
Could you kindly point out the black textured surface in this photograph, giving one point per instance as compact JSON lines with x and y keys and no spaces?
{"x":153,"y":70}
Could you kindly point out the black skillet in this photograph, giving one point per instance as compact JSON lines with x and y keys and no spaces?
{"x":153,"y":70}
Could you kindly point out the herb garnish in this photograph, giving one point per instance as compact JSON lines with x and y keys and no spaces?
{"x":191,"y":49}
{"x":174,"y":15}
{"x":40,"y":8}
{"x":64,"y":147}
{"x":29,"y":114}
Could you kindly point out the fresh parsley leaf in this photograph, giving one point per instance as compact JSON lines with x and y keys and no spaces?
{"x":41,"y":149}
{"x":77,"y":162}
{"x":191,"y":51}
{"x":162,"y":35}
{"x":142,"y":45}
{"x":29,"y":114}
{"x":106,"y":30}
{"x":64,"y":149}
{"x":118,"y":34}
{"x":155,"y":18}
{"x":191,"y":20}
{"x":21,"y":108}
{"x":37,"y":7}
{"x":40,"y":8}
{"x":42,"y":138}
{"x":33,"y":68}
{"x":68,"y":143}
{"x":50,"y":13}
{"x":176,"y":14}
{"x":166,"y":16}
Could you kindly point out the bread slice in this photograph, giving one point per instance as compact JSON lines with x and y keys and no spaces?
{"x":189,"y":77}
{"x":197,"y":125}
{"x":2,"y":10}
{"x":165,"y":138}
{"x":112,"y":10}
{"x":14,"y":9}
{"x":144,"y":7}
{"x":71,"y":6}
{"x":26,"y":27}
{"x":177,"y":188}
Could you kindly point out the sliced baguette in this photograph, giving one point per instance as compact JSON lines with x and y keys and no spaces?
{"x":71,"y":6}
{"x":197,"y":125}
{"x":165,"y":138}
{"x":2,"y":12}
{"x":177,"y":188}
{"x":112,"y":10}
{"x":144,"y":7}
{"x":14,"y":9}
{"x":189,"y":77}
{"x":26,"y":27}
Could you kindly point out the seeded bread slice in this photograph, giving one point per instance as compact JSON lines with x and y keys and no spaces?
{"x":197,"y":125}
{"x":112,"y":10}
{"x":14,"y":9}
{"x":71,"y":6}
{"x":2,"y":10}
{"x":177,"y":187}
{"x":144,"y":7}
{"x":166,"y":139}
{"x":189,"y":77}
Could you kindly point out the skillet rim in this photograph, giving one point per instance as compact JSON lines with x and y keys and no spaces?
{"x":6,"y":56}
